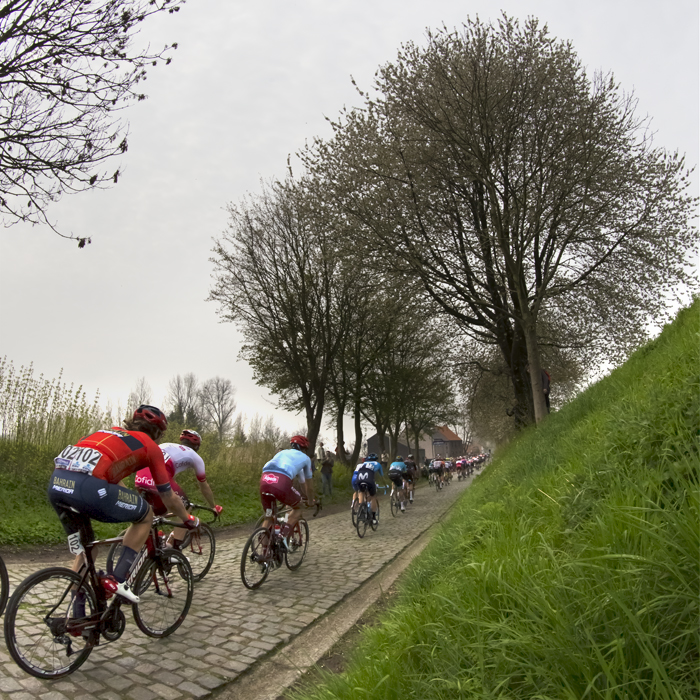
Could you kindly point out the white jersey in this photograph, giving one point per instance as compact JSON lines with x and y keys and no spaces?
{"x":178,"y":458}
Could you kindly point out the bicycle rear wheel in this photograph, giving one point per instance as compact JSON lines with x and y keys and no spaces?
{"x":4,"y":586}
{"x":37,"y":623}
{"x":374,"y":524}
{"x":298,"y":542}
{"x":256,"y":559}
{"x":353,"y":511}
{"x":200,"y":550}
{"x":362,"y":520}
{"x":165,"y":586}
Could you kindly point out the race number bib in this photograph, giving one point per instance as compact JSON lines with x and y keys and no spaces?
{"x":78,"y":459}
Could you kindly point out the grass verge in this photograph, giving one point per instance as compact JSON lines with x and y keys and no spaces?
{"x":570,"y":568}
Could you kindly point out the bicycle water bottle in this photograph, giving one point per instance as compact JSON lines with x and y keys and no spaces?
{"x":109,"y":584}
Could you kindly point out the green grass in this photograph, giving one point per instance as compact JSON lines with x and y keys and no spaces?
{"x":570,"y":568}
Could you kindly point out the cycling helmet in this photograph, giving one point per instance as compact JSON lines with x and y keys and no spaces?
{"x":372,"y":457}
{"x":152,"y":415}
{"x":399,"y":458}
{"x":410,"y":456}
{"x":299,"y":442}
{"x":192,"y":438}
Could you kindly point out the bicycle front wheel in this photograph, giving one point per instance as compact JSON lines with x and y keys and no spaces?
{"x":298,"y":542}
{"x":165,"y":586}
{"x":394,"y":504}
{"x":113,"y":554}
{"x":200,"y":551}
{"x":38,"y":619}
{"x":4,"y":586}
{"x":256,"y":558}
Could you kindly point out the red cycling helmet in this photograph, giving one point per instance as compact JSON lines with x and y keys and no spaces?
{"x":192,"y":438}
{"x":152,"y":415}
{"x":300,"y":442}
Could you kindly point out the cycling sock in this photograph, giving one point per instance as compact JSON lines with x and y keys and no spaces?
{"x":126,"y":559}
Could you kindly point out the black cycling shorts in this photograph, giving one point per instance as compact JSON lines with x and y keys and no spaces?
{"x":92,"y":498}
{"x":397,"y":477}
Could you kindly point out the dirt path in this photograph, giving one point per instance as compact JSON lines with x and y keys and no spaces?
{"x":229,"y":628}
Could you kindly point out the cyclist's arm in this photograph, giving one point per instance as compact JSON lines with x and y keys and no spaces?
{"x":207,"y":492}
{"x":174,"y":504}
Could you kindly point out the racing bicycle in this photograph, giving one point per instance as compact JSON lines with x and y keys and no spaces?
{"x":56,"y":617}
{"x":265,"y":550}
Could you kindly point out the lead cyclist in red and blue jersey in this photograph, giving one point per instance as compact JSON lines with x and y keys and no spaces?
{"x":87,"y":483}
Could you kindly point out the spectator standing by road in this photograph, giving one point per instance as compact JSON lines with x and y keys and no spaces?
{"x":384,"y":461}
{"x":327,"y":473}
{"x":546,"y":381}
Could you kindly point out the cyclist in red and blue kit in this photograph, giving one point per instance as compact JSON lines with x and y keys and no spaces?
{"x":87,"y":483}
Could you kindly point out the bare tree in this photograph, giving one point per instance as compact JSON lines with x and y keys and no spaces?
{"x":183,"y":398}
{"x":66,"y":68}
{"x":280,"y":277}
{"x":141,"y":394}
{"x":217,"y":399}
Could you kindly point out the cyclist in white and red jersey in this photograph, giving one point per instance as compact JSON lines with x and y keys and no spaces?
{"x":87,"y":483}
{"x":276,"y":483}
{"x":178,"y":458}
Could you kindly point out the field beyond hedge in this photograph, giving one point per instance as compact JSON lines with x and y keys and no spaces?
{"x":569,"y":569}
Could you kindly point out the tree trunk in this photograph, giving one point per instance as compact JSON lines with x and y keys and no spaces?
{"x":533,"y":356}
{"x":340,"y":434}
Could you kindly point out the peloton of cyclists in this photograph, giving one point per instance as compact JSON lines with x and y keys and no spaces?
{"x":364,"y":482}
{"x":87,"y":483}
{"x":276,"y":483}
{"x":397,"y":474}
{"x":178,"y":458}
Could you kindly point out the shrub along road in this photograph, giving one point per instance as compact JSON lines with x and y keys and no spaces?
{"x":229,"y":627}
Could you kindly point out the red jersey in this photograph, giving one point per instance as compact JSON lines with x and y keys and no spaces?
{"x":113,"y":454}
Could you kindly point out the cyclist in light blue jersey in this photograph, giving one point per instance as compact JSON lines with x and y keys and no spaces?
{"x":276,"y":482}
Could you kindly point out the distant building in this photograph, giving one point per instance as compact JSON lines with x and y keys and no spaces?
{"x":443,"y":442}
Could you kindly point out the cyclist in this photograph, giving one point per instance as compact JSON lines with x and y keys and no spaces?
{"x":353,"y":482}
{"x":276,"y":483}
{"x":411,"y":476}
{"x":366,"y":482}
{"x":438,"y":468}
{"x":397,"y":474}
{"x":178,"y":458}
{"x":87,"y":483}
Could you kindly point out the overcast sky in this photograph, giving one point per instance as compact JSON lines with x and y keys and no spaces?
{"x":248,"y":85}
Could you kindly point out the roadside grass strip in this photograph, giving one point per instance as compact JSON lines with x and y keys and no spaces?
{"x":569,"y":569}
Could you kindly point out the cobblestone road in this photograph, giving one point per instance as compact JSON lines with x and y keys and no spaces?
{"x":229,"y":627}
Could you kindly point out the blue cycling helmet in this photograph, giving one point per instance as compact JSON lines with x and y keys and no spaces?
{"x":372,"y":457}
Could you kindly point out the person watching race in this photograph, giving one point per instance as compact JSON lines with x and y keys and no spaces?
{"x":397,"y":474}
{"x":276,"y":483}
{"x":178,"y":458}
{"x":411,"y":476}
{"x":87,"y":484}
{"x":364,"y":477}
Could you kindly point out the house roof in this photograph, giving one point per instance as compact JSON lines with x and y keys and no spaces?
{"x":447,"y":433}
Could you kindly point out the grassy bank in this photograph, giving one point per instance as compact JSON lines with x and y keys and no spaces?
{"x":569,"y":569}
